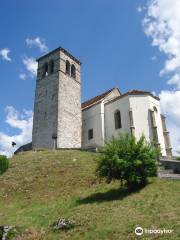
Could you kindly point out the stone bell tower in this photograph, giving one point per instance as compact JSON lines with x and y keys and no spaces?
{"x":57,"y":108}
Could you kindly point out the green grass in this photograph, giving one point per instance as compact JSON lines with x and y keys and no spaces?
{"x":41,"y":187}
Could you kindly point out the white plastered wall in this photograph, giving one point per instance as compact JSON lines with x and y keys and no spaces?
{"x":92,"y":118}
{"x":140,"y":105}
{"x":100,"y":118}
{"x":156,"y":103}
{"x":122,"y":105}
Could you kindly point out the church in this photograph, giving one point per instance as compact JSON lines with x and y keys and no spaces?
{"x":61,"y":121}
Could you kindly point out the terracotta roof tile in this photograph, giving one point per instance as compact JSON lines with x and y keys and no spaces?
{"x":140,"y":92}
{"x":96,"y":99}
{"x":134,"y":92}
{"x":100,"y":97}
{"x":60,"y":49}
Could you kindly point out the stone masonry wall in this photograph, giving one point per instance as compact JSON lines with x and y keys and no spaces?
{"x":57,"y":107}
{"x":46,"y":104}
{"x":69,"y":106}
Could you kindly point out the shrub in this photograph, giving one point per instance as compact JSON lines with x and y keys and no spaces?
{"x":125,"y":158}
{"x":4,"y":164}
{"x":178,"y":158}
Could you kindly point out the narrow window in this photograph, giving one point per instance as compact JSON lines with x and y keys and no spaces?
{"x":73,"y":71}
{"x":67,"y":67}
{"x":45,"y":70}
{"x":117,"y":119}
{"x":131,"y":118}
{"x":51,"y":66}
{"x":90,"y":134}
{"x":155,"y":109}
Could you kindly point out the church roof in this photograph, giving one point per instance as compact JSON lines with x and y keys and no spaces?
{"x":134,"y":92}
{"x":96,"y":99}
{"x":63,"y":50}
{"x":100,"y":97}
{"x":140,"y":92}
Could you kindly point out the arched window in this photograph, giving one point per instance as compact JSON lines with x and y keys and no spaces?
{"x":51,"y":66}
{"x":117,"y":119}
{"x":73,"y":71}
{"x":155,"y":109}
{"x":67,"y":67}
{"x":45,"y":70}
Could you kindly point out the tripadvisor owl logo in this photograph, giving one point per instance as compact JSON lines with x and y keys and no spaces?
{"x":139,"y":231}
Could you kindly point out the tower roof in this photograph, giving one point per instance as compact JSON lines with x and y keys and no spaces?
{"x":63,"y":50}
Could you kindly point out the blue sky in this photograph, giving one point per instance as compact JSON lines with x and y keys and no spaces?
{"x":106,"y":35}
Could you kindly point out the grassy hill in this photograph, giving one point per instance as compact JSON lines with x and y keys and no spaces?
{"x":41,"y":187}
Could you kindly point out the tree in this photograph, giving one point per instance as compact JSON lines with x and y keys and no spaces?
{"x":125,"y":158}
{"x":4,"y":164}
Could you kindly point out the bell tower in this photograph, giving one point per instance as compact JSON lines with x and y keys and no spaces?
{"x":57,"y":108}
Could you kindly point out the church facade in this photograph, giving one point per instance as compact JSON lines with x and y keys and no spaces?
{"x":61,"y":121}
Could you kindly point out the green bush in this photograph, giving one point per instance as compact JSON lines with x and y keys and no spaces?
{"x":4,"y":164}
{"x":178,"y":158}
{"x":125,"y":158}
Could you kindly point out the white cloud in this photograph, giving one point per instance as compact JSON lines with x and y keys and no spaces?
{"x":175,"y":79}
{"x":31,"y":65}
{"x":22,"y":76}
{"x":161,"y":23}
{"x":154,"y":93}
{"x":4,"y":53}
{"x":37,"y":42}
{"x":170,"y":105}
{"x":21,"y":121}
